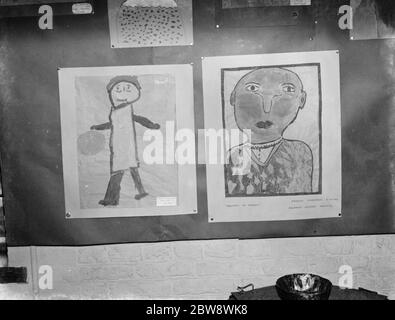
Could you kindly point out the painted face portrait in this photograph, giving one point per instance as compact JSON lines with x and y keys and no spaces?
{"x":124,"y":92}
{"x":266,"y":101}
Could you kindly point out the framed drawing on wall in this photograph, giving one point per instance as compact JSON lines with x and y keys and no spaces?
{"x":119,"y":131}
{"x":278,"y":116}
{"x":150,"y":23}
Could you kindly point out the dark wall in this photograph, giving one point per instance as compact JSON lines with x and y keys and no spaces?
{"x":30,"y":138}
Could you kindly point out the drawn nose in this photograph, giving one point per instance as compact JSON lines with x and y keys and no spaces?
{"x":267,"y":101}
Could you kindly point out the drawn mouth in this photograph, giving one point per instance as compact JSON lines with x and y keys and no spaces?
{"x":264,"y":124}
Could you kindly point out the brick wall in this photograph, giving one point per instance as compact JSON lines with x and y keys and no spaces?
{"x":200,"y":270}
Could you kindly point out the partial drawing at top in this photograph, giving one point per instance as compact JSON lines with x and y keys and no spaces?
{"x":150,"y":3}
{"x":150,"y":23}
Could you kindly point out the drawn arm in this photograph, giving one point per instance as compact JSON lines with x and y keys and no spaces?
{"x":146,"y":122}
{"x":304,"y":175}
{"x":309,"y":170}
{"x":104,"y":126}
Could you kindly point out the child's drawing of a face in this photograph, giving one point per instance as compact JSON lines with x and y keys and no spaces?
{"x":266,"y":102}
{"x":124,"y":92}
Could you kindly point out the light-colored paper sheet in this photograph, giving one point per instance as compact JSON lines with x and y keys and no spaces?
{"x":150,"y":23}
{"x":290,"y":102}
{"x":231,"y":4}
{"x":99,"y":142}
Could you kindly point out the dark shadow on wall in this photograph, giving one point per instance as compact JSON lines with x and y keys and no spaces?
{"x":386,"y":11}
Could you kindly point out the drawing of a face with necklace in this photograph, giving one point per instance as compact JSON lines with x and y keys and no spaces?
{"x":266,"y":102}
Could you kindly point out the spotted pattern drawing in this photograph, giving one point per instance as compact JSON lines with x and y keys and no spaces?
{"x":150,"y":26}
{"x":151,"y":23}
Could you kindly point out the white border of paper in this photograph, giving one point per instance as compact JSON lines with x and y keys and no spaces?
{"x":221,"y":209}
{"x":187,"y":197}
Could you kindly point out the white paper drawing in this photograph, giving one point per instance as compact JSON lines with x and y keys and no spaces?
{"x":105,"y":115}
{"x":150,"y":23}
{"x":287,"y":108}
{"x":150,"y":3}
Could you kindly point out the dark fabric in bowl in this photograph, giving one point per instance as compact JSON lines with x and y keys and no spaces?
{"x":321,"y":289}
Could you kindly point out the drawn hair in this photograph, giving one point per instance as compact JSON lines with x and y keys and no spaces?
{"x":130,"y":79}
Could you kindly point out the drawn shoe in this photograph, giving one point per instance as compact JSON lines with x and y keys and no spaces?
{"x":108,"y":203}
{"x":141,"y":196}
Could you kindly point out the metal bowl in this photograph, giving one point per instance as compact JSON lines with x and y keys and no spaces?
{"x":303,"y":286}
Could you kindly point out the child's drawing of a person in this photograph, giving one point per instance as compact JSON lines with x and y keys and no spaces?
{"x":123,"y":91}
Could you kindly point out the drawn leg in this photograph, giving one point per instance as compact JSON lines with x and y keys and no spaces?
{"x":139,"y":185}
{"x":113,"y":190}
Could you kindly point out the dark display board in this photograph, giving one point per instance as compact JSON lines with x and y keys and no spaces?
{"x":30,"y":140}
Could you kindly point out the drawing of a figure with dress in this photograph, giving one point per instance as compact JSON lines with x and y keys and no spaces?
{"x":123,"y":91}
{"x":117,"y":124}
{"x":115,"y":116}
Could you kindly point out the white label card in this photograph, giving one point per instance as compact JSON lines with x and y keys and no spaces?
{"x":166,"y":201}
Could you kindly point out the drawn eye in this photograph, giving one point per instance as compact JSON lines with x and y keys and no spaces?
{"x":253,"y":87}
{"x":288,"y":88}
